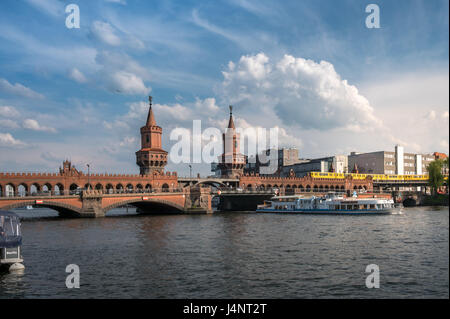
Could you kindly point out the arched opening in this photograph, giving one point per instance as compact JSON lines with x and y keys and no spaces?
{"x":35,"y":189}
{"x":22,"y":190}
{"x":301,"y":188}
{"x":269,"y":186}
{"x":119,"y":188}
{"x":139,"y":188}
{"x":88,"y":186}
{"x":73,"y":189}
{"x":288,"y":186}
{"x":165,"y":188}
{"x":149,"y":206}
{"x":326,"y":188}
{"x":109,"y":188}
{"x":315,"y":188}
{"x":320,"y":188}
{"x":331,"y":188}
{"x":342,"y":188}
{"x":130,"y":188}
{"x":99,"y":187}
{"x":10,"y":190}
{"x":59,"y":189}
{"x":249,"y":186}
{"x":308,"y":188}
{"x":261,"y":187}
{"x":355,"y":188}
{"x":148,"y":188}
{"x":47,"y":188}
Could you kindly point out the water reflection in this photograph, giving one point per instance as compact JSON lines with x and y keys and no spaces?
{"x":233,"y":255}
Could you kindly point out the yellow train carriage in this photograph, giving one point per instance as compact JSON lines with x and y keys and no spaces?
{"x":375,"y":177}
{"x":327,"y":175}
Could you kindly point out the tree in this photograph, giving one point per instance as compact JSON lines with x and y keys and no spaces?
{"x":435,"y":177}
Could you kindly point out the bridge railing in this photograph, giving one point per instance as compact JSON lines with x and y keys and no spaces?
{"x":79,"y":191}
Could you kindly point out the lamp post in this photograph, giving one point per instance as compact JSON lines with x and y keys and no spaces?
{"x":190,"y":171}
{"x":89,"y":175}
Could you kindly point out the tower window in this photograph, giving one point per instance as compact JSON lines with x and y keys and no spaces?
{"x":147,"y":139}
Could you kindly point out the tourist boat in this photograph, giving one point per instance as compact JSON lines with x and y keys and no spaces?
{"x":10,"y":241}
{"x":331,"y":203}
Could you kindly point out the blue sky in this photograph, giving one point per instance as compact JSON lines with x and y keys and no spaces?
{"x":81,"y":93}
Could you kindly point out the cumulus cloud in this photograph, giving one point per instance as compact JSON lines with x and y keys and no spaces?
{"x":8,"y":111}
{"x":7,"y":140}
{"x":104,"y":32}
{"x":128,"y":83}
{"x":77,"y":75}
{"x":122,"y":74}
{"x":7,"y":123}
{"x":18,"y":89}
{"x":300,"y":92}
{"x":35,"y":126}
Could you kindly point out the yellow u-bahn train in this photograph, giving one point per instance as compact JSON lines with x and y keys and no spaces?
{"x":376,"y":177}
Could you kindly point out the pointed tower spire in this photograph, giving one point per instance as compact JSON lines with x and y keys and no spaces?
{"x":231,"y":122}
{"x":150,"y":118}
{"x":355,"y":169}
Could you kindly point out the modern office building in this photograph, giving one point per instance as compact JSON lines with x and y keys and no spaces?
{"x":391,"y":162}
{"x":336,"y":164}
{"x":272,"y":161}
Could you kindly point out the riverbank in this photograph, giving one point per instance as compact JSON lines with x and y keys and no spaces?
{"x":435,"y":200}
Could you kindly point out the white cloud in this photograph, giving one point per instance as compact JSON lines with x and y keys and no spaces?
{"x":35,"y":126}
{"x":128,"y":83}
{"x":403,"y":102}
{"x":77,"y":75}
{"x":121,"y":74}
{"x":104,"y":32}
{"x":7,"y":140}
{"x":123,"y":2}
{"x":8,"y":111}
{"x":52,"y":7}
{"x":7,"y":123}
{"x":297,"y":92}
{"x":19,"y":89}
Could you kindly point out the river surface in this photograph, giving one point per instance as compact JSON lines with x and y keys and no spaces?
{"x":233,"y":255}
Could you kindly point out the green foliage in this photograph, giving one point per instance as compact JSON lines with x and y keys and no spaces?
{"x":435,"y":177}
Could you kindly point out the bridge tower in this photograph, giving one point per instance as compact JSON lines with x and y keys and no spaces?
{"x":231,"y":162}
{"x":151,"y":157}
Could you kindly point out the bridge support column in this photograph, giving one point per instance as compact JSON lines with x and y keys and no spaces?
{"x":92,"y":204}
{"x":198,"y":200}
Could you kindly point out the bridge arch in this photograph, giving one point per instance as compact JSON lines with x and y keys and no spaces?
{"x":162,"y":205}
{"x":62,"y":208}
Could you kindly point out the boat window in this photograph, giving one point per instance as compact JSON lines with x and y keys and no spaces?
{"x":372,"y":206}
{"x":8,"y":226}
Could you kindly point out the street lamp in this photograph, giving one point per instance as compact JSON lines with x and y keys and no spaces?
{"x":190,"y":171}
{"x":89,"y":175}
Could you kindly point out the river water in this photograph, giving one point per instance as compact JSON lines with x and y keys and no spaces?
{"x":233,"y":255}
